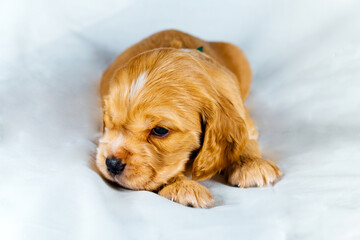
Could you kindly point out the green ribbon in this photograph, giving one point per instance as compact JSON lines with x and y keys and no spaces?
{"x":201,"y":49}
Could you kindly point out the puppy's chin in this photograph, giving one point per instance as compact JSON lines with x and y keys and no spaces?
{"x":137,"y":184}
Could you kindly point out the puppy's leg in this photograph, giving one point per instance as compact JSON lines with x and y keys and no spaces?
{"x":251,"y":170}
{"x":187,"y":192}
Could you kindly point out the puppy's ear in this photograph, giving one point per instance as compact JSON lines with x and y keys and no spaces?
{"x":225,"y":136}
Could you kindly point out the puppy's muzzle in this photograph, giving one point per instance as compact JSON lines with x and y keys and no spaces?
{"x":115,"y":166}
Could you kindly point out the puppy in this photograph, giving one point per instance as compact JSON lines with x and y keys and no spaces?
{"x":165,"y":103}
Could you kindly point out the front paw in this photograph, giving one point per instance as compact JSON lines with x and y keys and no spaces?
{"x":255,"y":172}
{"x":188,"y":192}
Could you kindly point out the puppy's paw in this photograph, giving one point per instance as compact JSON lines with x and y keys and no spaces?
{"x":188,"y":192}
{"x":255,"y":172}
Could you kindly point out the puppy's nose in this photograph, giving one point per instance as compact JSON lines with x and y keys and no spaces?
{"x":114,"y":165}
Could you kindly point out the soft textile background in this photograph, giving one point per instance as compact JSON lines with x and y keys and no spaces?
{"x":305,"y":99}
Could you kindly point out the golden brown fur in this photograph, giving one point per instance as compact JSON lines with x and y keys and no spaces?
{"x":199,"y":98}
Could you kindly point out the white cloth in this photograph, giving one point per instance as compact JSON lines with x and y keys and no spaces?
{"x":305,"y":99}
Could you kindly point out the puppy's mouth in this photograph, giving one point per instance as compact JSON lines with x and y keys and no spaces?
{"x":124,"y":182}
{"x":119,"y":179}
{"x":128,"y":180}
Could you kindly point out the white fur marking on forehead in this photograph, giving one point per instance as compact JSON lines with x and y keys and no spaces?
{"x":186,"y":49}
{"x":137,"y":84}
{"x":117,"y":143}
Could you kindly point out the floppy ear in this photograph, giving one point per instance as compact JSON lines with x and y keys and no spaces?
{"x":224,"y":138}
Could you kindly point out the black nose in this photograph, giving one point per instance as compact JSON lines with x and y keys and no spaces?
{"x":114,"y":165}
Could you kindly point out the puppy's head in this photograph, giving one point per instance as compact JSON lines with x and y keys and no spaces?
{"x":162,"y":106}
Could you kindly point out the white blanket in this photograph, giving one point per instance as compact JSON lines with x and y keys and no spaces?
{"x":305,"y":99}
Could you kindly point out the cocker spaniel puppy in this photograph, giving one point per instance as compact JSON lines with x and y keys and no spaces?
{"x":166,"y":103}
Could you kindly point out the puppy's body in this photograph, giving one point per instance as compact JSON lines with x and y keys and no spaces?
{"x":164,"y":85}
{"x":226,"y":54}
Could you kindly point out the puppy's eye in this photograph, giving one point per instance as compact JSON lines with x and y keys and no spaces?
{"x":159,"y":131}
